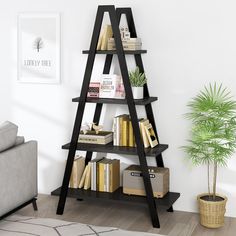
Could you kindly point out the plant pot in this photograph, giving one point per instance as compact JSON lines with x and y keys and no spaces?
{"x":137,"y":92}
{"x":212,"y":212}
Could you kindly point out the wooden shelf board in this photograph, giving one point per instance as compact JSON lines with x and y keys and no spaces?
{"x":109,"y":148}
{"x":115,"y":52}
{"x":168,"y":200}
{"x":143,"y":101}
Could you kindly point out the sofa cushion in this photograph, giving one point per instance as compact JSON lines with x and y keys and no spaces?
{"x":19,"y":140}
{"x":8,"y":133}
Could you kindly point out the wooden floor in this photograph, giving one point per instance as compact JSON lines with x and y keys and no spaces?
{"x":127,"y":216}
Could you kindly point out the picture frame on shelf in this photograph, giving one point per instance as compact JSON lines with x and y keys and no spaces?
{"x":151,"y":135}
{"x":39,"y":48}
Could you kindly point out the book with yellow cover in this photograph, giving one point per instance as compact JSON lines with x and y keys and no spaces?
{"x":101,"y":174}
{"x":131,"y":135}
{"x":114,"y":175}
{"x":125,"y":130}
{"x":106,"y":35}
{"x":100,"y":39}
{"x":121,"y":118}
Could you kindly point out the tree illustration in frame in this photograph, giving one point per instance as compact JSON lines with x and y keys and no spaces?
{"x":38,"y":44}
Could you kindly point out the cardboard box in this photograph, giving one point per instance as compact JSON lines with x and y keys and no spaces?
{"x":133,"y":181}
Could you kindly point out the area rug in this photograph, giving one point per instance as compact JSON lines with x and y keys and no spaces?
{"x":17,"y":225}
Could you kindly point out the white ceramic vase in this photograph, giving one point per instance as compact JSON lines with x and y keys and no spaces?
{"x":137,"y":92}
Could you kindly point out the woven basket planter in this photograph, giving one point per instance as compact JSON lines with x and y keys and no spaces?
{"x":212,"y":213}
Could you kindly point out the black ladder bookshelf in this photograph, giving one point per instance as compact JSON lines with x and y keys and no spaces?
{"x":140,"y":151}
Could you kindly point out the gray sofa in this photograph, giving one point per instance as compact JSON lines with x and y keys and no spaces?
{"x":18,"y":170}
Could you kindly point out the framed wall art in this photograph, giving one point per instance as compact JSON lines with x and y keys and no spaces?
{"x":39,"y":47}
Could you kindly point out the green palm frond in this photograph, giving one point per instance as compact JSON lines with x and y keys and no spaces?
{"x":213,"y":116}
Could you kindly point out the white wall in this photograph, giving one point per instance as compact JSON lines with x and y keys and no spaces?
{"x":190,"y":43}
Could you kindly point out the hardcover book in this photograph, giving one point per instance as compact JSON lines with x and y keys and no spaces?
{"x":103,"y":137}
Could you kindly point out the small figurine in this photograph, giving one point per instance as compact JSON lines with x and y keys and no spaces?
{"x":85,"y":128}
{"x":97,"y":128}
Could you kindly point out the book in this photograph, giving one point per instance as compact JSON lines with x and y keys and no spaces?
{"x":151,"y":135}
{"x":114,"y":175}
{"x":111,"y":86}
{"x":94,"y":172}
{"x":131,"y":135}
{"x":130,"y":40}
{"x":102,"y":137}
{"x":100,"y":40}
{"x":121,"y":118}
{"x":102,"y":174}
{"x":93,"y":90}
{"x":77,"y":171}
{"x":87,"y":181}
{"x":115,"y":131}
{"x":125,"y":47}
{"x":106,"y":35}
{"x":81,"y":184}
{"x":142,"y":124}
{"x":73,"y":178}
{"x":125,"y":130}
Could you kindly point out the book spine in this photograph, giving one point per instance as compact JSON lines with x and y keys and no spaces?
{"x":131,"y":135}
{"x":97,"y":176}
{"x":115,"y":131}
{"x":120,"y":130}
{"x":107,"y":177}
{"x":101,"y":177}
{"x":124,"y":132}
{"x":92,"y":175}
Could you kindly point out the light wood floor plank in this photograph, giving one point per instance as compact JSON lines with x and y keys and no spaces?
{"x":127,"y":216}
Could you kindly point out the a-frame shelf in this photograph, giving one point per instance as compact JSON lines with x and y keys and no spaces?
{"x":143,"y":101}
{"x":139,"y":150}
{"x":109,"y":148}
{"x":132,"y":52}
{"x":167,"y":201}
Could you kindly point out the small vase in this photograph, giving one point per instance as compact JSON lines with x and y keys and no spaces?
{"x":137,"y":92}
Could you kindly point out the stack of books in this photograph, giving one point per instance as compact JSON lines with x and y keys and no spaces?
{"x":123,"y":134}
{"x":102,"y":137}
{"x":128,"y":44}
{"x":111,"y":86}
{"x":101,"y":174}
{"x":106,"y":33}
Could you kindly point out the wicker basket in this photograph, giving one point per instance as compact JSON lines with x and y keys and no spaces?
{"x":212,"y":213}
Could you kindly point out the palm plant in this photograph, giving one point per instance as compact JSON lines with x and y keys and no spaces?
{"x":213,"y":139}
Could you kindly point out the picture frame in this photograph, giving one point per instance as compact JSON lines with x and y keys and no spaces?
{"x":38,"y":56}
{"x":151,"y":135}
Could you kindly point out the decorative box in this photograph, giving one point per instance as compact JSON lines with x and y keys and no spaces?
{"x":93,"y":91}
{"x":133,"y":181}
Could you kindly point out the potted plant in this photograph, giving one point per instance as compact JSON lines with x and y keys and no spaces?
{"x":137,"y":81}
{"x":212,"y":142}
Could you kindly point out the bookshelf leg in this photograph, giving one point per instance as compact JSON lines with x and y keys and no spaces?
{"x":170,"y":209}
{"x":80,"y":110}
{"x":132,"y":110}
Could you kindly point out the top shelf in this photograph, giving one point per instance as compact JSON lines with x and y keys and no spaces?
{"x":115,"y":52}
{"x":143,"y":101}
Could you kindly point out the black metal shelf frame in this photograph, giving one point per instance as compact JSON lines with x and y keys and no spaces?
{"x":115,"y":16}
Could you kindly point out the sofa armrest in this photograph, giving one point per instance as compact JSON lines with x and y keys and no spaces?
{"x":18,"y":176}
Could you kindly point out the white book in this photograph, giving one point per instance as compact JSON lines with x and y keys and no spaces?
{"x":94,"y":173}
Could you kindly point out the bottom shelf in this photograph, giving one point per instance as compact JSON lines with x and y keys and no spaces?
{"x":168,"y":200}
